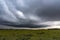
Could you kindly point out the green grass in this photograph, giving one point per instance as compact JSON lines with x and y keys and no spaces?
{"x":29,"y":34}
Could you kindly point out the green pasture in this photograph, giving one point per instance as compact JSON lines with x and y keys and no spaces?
{"x":29,"y":34}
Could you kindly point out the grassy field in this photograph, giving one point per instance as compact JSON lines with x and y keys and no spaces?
{"x":29,"y":34}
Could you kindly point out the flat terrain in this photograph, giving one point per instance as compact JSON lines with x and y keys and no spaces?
{"x":29,"y":34}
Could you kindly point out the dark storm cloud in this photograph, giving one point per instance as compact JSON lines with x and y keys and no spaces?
{"x":51,"y":13}
{"x":31,"y":13}
{"x":50,"y":10}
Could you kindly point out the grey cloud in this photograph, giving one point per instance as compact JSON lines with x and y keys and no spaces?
{"x":28,"y":12}
{"x":50,"y":11}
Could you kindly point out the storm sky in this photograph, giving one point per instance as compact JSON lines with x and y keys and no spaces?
{"x":30,"y":13}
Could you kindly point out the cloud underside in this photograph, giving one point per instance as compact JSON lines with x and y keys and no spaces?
{"x":30,"y":13}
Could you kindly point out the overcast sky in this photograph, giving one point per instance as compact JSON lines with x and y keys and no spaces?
{"x":30,"y":12}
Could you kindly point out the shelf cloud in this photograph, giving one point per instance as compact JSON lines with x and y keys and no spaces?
{"x":29,"y":13}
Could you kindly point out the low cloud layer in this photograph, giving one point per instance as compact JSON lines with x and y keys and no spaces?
{"x":29,"y":13}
